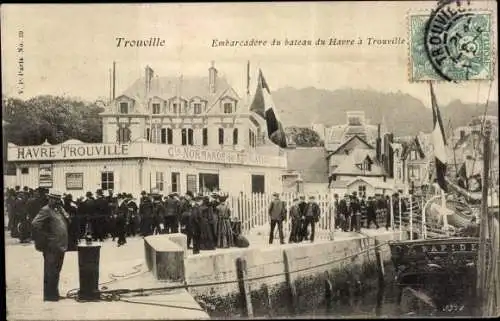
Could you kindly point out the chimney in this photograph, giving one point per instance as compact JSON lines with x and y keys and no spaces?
{"x":378,"y":146}
{"x":212,"y":78}
{"x":148,"y":78}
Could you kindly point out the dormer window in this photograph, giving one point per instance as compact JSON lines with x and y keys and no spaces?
{"x":413,"y":155}
{"x":197,"y":108}
{"x":228,"y":108}
{"x":156,"y":108}
{"x":124,"y":108}
{"x":175,"y":108}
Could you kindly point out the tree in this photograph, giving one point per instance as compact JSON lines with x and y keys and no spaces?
{"x":304,"y":137}
{"x":54,"y":118}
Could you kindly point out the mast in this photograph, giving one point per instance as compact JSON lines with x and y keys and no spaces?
{"x":482,"y":266}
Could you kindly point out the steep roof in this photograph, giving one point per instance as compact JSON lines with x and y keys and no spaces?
{"x":348,"y":141}
{"x":310,"y":163}
{"x":185,"y":87}
{"x":349,"y":165}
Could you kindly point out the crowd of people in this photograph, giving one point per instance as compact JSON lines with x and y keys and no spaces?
{"x":206,"y":220}
{"x":351,"y":214}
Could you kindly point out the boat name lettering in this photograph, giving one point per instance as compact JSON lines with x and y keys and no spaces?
{"x":453,"y":247}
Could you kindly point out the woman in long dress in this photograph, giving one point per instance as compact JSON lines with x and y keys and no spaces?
{"x":224,"y":231}
{"x":207,"y":241}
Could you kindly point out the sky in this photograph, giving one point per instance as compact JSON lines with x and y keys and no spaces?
{"x":69,"y":49}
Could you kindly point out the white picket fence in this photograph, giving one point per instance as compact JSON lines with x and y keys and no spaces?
{"x":252,"y":211}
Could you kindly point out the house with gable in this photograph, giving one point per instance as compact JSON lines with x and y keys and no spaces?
{"x":357,"y":166}
{"x":413,"y":162}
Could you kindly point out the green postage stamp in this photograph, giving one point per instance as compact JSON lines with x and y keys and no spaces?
{"x":451,"y":44}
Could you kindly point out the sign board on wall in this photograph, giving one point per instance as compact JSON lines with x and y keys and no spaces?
{"x":74,"y":181}
{"x":45,"y":176}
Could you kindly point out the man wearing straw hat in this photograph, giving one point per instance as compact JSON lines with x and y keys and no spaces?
{"x":50,"y":232}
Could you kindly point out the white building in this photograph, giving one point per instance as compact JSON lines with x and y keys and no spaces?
{"x":164,"y":133}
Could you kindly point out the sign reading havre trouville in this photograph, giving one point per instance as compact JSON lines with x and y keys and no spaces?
{"x":107,"y":151}
{"x":70,"y":151}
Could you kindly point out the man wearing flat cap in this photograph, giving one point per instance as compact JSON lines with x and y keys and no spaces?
{"x":172,"y":214}
{"x":50,"y":232}
{"x":277,"y":213}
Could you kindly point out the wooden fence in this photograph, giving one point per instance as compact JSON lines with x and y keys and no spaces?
{"x":252,"y":211}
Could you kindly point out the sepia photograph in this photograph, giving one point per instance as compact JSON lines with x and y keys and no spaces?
{"x":268,"y":160}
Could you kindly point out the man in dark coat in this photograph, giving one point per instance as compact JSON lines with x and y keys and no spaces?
{"x":172,"y":209}
{"x":186,"y":209}
{"x":102,"y":214}
{"x":312,"y":214}
{"x":133,"y":217}
{"x":214,"y":220}
{"x":146,"y":213}
{"x":277,"y":213}
{"x":121,"y":219}
{"x":345,"y":212}
{"x":50,"y":232}
{"x":296,"y":218}
{"x":195,"y":223}
{"x":74,"y":225}
{"x":89,"y":213}
{"x":388,"y":207}
{"x":355,"y":213}
{"x":371,"y":212}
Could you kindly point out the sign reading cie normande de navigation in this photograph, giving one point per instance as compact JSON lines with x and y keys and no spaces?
{"x":110,"y":151}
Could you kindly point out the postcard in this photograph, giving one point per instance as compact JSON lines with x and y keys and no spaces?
{"x":250,"y":160}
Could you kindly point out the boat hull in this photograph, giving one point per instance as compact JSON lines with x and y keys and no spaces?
{"x":442,"y":270}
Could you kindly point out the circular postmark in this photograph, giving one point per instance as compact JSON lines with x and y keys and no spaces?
{"x":457,"y":42}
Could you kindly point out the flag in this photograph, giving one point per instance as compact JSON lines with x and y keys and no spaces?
{"x":439,"y":142}
{"x":263,"y":105}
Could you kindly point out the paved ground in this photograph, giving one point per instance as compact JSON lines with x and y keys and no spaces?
{"x":122,"y":267}
{"x":24,"y":276}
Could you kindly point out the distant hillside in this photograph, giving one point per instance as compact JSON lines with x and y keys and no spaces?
{"x":404,"y":114}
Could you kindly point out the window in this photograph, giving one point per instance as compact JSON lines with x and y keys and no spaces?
{"x":413,"y":155}
{"x":251,"y":138}
{"x":156,"y":134}
{"x":25,"y":170}
{"x":10,"y":169}
{"x":169,"y":136}
{"x":221,"y":136}
{"x":208,"y":182}
{"x":228,"y":108}
{"x":235,"y":136}
{"x":166,"y":135}
{"x":175,"y":108}
{"x":124,"y":108}
{"x":197,"y":108}
{"x":399,"y":173}
{"x":156,"y":108}
{"x":123,"y":135}
{"x":191,"y":183}
{"x":176,"y":178}
{"x":184,"y":136}
{"x":107,"y":180}
{"x":366,"y":166}
{"x":205,"y":136}
{"x":163,"y":135}
{"x":362,"y":190}
{"x":159,"y":181}
{"x":148,"y":134}
{"x":414,"y":172}
{"x":258,"y":184}
{"x":190,"y":136}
